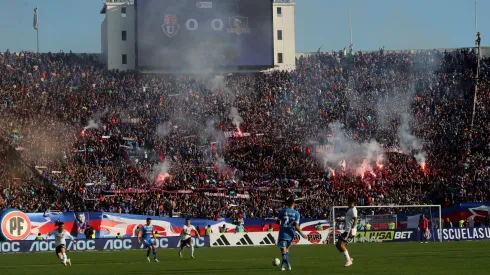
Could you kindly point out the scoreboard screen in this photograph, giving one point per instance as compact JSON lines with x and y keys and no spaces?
{"x":204,"y":34}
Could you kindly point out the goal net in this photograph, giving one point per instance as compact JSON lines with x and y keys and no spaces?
{"x":390,"y":223}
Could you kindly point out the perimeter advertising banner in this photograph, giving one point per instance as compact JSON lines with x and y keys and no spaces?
{"x":265,"y":238}
{"x":16,"y":225}
{"x":94,"y":245}
{"x":321,"y":237}
{"x":464,"y":234}
{"x":397,"y":235}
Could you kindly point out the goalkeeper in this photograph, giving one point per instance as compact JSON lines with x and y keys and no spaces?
{"x":423,"y":228}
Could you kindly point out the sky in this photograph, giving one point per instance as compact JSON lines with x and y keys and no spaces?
{"x":395,"y":24}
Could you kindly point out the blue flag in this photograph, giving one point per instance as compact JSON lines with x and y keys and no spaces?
{"x":35,"y":19}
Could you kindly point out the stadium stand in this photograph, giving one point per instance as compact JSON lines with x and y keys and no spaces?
{"x":77,"y":137}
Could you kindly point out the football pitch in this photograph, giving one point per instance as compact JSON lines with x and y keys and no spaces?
{"x":379,"y":258}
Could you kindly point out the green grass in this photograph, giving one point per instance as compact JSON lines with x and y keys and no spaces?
{"x":379,"y":258}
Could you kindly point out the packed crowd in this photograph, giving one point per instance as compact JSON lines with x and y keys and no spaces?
{"x":78,"y":137}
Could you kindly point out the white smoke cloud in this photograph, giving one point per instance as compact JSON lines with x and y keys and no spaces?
{"x":164,"y":129}
{"x":218,"y":83}
{"x":409,"y":143}
{"x":221,"y":164}
{"x":357,"y":156}
{"x":393,"y":104}
{"x":91,"y":125}
{"x":161,"y":171}
{"x":235,"y":117}
{"x":213,"y":134}
{"x":421,"y":158}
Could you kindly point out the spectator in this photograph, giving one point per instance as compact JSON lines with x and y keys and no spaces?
{"x":240,"y":229}
{"x":319,"y":227}
{"x":208,"y":230}
{"x":461,"y":223}
{"x":223,"y":229}
{"x":448,"y":223}
{"x":270,"y":228}
{"x":90,"y":233}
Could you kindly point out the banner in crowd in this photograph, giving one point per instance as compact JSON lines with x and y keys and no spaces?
{"x":195,"y":190}
{"x":140,"y":191}
{"x":16,"y":225}
{"x":240,"y":196}
{"x":326,"y":148}
{"x":95,"y":245}
{"x":236,"y":134}
{"x":265,"y":238}
{"x":473,"y":211}
{"x":476,"y":211}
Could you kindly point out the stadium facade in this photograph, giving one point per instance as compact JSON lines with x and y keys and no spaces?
{"x":119,"y":38}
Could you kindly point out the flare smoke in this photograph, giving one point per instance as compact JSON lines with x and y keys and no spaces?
{"x":357,"y":156}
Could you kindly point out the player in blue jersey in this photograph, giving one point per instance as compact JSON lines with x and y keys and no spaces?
{"x":289,"y":227}
{"x":147,"y":232}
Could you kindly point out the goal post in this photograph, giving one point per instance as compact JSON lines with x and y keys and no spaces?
{"x":389,"y":223}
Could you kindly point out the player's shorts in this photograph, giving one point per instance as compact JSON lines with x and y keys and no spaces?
{"x":284,"y":243}
{"x":186,"y":242}
{"x":148,"y":243}
{"x":345,"y":237}
{"x":58,"y":248}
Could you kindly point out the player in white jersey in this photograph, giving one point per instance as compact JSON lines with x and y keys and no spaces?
{"x":60,"y":235}
{"x":349,"y":232}
{"x":186,"y":238}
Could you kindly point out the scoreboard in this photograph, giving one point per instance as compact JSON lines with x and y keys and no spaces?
{"x":204,"y":34}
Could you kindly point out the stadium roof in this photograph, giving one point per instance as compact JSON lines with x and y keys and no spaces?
{"x":485,"y":51}
{"x":115,"y":2}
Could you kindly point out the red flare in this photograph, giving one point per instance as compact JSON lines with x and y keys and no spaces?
{"x":162,"y":177}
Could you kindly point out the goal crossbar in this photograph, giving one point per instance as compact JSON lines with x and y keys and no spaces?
{"x":386,"y":206}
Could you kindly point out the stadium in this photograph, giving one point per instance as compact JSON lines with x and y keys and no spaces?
{"x":199,"y":125}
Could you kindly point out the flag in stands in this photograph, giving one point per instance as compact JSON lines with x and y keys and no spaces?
{"x":35,"y":19}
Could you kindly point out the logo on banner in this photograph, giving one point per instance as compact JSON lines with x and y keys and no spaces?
{"x":238,"y":25}
{"x":170,"y":28}
{"x":245,"y":241}
{"x":204,"y":5}
{"x":221,"y":241}
{"x":269,"y":239}
{"x":314,"y":237}
{"x":15,"y":225}
{"x":374,"y":236}
{"x":296,"y":239}
{"x":428,"y":235}
{"x":382,"y":236}
{"x":481,"y":233}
